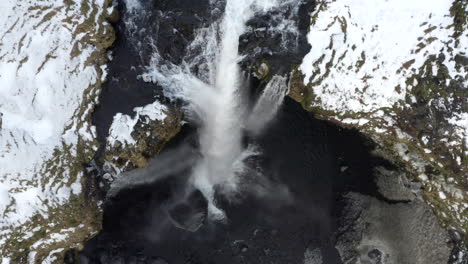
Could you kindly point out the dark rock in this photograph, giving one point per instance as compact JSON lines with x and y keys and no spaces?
{"x":373,"y":232}
{"x":280,"y":48}
{"x":394,"y":185}
{"x":190,"y":214}
{"x":239,"y":247}
{"x":157,"y":261}
{"x":463,"y":60}
{"x":376,"y":256}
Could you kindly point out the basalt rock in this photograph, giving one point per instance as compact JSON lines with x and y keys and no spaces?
{"x":276,"y":40}
{"x":377,"y":232}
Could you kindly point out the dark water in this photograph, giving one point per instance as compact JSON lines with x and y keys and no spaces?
{"x":299,"y":152}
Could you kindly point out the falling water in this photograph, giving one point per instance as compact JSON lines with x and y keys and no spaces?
{"x":268,"y":104}
{"x":215,"y":98}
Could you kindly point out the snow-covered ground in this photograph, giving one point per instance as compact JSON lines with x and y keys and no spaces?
{"x":46,"y":73}
{"x":364,"y":53}
{"x":363,"y":50}
{"x":363,"y":71}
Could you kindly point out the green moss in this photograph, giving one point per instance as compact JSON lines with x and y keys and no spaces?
{"x":48,"y":17}
{"x":150,"y":139}
{"x":430,"y":86}
{"x":407,"y":64}
{"x":85,"y":7}
{"x":460,"y":16}
{"x":102,"y":39}
{"x":430,"y":29}
{"x":80,"y":212}
{"x":304,"y":94}
{"x":262,"y":70}
{"x":300,"y":92}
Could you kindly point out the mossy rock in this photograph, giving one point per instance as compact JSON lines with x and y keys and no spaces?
{"x":150,"y":138}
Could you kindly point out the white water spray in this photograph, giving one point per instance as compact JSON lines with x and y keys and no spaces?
{"x":214,"y":97}
{"x":268,"y":104}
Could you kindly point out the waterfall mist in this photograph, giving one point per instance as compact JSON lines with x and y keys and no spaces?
{"x":210,"y":83}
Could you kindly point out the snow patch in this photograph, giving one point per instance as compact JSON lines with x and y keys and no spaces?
{"x":123,"y":125}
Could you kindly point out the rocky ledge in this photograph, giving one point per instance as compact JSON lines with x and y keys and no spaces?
{"x":401,"y":78}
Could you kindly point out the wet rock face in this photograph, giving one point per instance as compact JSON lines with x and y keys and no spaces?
{"x":178,"y":21}
{"x":277,"y":39}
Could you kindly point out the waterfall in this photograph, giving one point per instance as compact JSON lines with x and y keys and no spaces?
{"x":215,"y":96}
{"x":268,"y":104}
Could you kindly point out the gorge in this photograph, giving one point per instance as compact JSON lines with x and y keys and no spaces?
{"x":248,"y":186}
{"x":234,"y":131}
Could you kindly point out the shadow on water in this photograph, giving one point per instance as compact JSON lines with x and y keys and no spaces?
{"x":300,"y":153}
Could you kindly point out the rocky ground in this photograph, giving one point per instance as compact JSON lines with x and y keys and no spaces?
{"x":52,"y":61}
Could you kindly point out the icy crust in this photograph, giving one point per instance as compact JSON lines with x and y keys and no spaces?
{"x":50,"y":52}
{"x":123,"y":125}
{"x":397,"y":70}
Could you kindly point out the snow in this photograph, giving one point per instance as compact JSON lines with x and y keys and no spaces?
{"x":442,"y":195}
{"x":360,"y":121}
{"x":41,"y":88}
{"x":123,"y":125}
{"x":371,"y":48}
{"x":51,"y":258}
